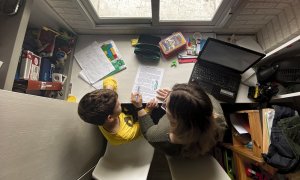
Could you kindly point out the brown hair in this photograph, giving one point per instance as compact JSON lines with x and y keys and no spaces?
{"x":192,"y":109}
{"x":95,"y":106}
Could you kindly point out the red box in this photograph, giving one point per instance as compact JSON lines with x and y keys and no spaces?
{"x":30,"y":66}
{"x":41,"y":85}
{"x":172,"y":44}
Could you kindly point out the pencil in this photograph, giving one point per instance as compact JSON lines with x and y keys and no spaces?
{"x":138,"y":92}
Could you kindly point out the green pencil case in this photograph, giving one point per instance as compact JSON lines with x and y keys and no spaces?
{"x":147,"y":47}
{"x":147,"y":54}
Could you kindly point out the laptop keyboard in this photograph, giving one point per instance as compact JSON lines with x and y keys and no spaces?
{"x":217,"y":77}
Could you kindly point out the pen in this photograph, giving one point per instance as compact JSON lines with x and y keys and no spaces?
{"x":138,"y":92}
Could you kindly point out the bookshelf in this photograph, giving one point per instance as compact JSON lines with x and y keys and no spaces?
{"x":243,"y":155}
{"x":33,"y":14}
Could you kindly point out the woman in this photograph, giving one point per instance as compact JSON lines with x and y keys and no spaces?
{"x":193,"y":124}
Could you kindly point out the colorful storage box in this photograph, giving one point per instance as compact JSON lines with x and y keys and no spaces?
{"x":172,"y":44}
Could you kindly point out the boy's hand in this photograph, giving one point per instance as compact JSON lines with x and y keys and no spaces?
{"x":151,"y":105}
{"x":136,"y":100}
{"x":162,"y":94}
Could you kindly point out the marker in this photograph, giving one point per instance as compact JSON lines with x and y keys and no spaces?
{"x":138,"y":92}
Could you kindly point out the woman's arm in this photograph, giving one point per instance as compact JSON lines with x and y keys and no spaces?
{"x":152,"y":132}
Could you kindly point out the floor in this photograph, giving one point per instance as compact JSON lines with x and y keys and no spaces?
{"x":159,"y":169}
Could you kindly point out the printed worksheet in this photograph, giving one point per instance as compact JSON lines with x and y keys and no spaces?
{"x":147,"y":80}
{"x":93,"y":62}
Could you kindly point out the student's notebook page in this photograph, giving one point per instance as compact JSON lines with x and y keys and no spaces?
{"x":147,"y":81}
{"x":94,"y":62}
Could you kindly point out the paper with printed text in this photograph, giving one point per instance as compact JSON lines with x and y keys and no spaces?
{"x":148,"y":79}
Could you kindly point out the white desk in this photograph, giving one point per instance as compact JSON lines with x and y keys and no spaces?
{"x":125,"y":78}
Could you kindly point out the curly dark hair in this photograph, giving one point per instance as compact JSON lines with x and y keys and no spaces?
{"x":95,"y":106}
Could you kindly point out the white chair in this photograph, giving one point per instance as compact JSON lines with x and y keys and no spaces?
{"x":204,"y":167}
{"x":127,"y":161}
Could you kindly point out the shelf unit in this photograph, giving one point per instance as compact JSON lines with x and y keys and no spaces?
{"x":243,"y":155}
{"x":32,"y":14}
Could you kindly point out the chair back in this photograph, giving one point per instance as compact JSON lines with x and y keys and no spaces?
{"x":126,"y":161}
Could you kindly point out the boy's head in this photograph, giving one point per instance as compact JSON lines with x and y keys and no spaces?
{"x":98,"y":106}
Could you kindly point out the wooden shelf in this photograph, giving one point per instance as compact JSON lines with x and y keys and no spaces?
{"x":244,"y":152}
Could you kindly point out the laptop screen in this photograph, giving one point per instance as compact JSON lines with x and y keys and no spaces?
{"x":229,"y":55}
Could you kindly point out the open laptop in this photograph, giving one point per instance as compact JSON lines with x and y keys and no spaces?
{"x":219,"y":67}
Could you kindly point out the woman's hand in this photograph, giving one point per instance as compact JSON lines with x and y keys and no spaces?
{"x":136,"y":100}
{"x":162,"y":94}
{"x":151,"y":105}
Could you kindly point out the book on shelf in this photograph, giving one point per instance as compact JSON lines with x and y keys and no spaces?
{"x":267,"y":121}
{"x":229,"y":163}
{"x":46,"y":70}
{"x":46,"y":41}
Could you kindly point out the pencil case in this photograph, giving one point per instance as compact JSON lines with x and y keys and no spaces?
{"x":172,"y":44}
{"x":147,"y":47}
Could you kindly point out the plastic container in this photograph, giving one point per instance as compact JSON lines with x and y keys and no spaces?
{"x":172,"y":44}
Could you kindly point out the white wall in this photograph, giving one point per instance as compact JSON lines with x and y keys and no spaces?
{"x":12,"y":33}
{"x":282,"y":28}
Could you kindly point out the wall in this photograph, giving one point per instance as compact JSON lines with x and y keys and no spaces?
{"x":44,"y":138}
{"x":274,"y":21}
{"x":12,"y":33}
{"x":282,"y":28}
{"x":43,"y":15}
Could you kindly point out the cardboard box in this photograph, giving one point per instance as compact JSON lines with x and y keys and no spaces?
{"x":30,"y":66}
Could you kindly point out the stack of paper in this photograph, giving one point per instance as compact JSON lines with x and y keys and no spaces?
{"x":94,"y":63}
{"x":99,"y":61}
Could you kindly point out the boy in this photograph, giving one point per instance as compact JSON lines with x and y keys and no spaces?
{"x":102,"y":108}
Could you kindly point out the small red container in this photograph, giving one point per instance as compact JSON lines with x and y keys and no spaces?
{"x":172,"y":44}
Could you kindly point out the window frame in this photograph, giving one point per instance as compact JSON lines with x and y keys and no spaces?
{"x":222,"y":14}
{"x":112,"y":21}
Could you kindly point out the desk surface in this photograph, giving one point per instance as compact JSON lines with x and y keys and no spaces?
{"x":125,"y":78}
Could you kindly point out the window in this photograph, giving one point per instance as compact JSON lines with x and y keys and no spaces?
{"x":122,"y":8}
{"x":158,"y":12}
{"x":192,"y":10}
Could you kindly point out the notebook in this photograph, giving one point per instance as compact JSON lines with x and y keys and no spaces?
{"x":219,"y":67}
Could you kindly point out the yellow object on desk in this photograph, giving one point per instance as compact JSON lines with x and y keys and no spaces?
{"x":134,"y":41}
{"x":71,"y":98}
{"x":110,"y":81}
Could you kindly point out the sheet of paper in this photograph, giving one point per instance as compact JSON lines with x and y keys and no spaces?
{"x":96,"y":85}
{"x":93,"y":62}
{"x":240,"y":124}
{"x":148,"y":79}
{"x":270,"y":117}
